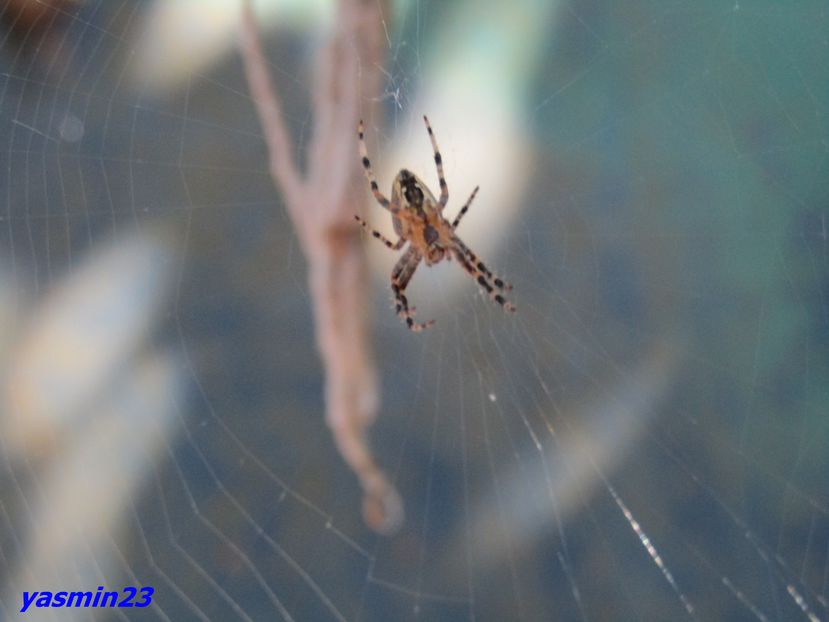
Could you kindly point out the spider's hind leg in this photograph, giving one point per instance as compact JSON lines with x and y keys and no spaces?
{"x":400,"y":277}
{"x":480,"y":267}
{"x":482,"y":280}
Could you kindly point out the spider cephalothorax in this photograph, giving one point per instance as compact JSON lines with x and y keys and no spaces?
{"x":418,"y":219}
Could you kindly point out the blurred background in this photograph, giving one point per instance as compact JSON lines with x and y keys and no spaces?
{"x":646,"y":438}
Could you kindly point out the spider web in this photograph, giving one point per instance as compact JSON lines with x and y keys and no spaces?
{"x":646,"y":438}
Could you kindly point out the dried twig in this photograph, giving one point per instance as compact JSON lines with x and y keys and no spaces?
{"x":321,"y":207}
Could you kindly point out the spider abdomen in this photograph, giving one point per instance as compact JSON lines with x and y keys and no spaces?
{"x":430,"y":234}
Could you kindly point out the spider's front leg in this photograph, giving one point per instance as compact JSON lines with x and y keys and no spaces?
{"x":400,"y":277}
{"x":465,"y":207}
{"x":444,"y":189}
{"x":395,"y":246}
{"x":375,"y":190}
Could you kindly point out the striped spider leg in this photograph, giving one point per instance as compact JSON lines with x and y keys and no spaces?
{"x":402,"y":273}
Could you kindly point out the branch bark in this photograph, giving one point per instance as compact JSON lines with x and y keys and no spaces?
{"x":321,"y":207}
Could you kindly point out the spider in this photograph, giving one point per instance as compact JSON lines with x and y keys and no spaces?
{"x":418,"y":219}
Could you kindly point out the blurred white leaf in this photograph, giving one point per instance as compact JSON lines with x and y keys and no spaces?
{"x":84,"y":495}
{"x":79,"y":338}
{"x":185,"y":37}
